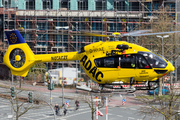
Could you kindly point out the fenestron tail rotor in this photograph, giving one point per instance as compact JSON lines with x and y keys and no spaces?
{"x":17,"y":58}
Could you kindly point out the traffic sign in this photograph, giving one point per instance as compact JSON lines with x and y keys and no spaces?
{"x":123,"y":101}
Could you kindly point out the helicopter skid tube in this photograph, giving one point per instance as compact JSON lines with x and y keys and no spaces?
{"x":120,"y":89}
{"x":85,"y":88}
{"x":112,"y":87}
{"x":130,"y":90}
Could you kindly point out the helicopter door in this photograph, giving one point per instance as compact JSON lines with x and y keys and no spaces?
{"x":127,"y":65}
{"x":108,"y":66}
{"x":144,"y":70}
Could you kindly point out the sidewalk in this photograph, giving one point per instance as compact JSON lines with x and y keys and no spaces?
{"x":115,"y":101}
{"x":129,"y":101}
{"x":36,"y":88}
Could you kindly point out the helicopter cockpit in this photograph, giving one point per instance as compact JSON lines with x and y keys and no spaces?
{"x":141,"y":60}
{"x":154,"y":60}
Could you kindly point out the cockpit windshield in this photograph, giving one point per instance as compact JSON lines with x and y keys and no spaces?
{"x":154,"y":60}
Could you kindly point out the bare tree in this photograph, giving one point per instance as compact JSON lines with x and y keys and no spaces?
{"x":167,"y":106}
{"x":92,"y":105}
{"x":19,"y":107}
{"x":167,"y":47}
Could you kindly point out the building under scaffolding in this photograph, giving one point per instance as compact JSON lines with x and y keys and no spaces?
{"x":37,"y":18}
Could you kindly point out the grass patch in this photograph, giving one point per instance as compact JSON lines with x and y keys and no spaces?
{"x":152,"y":96}
{"x":17,"y":88}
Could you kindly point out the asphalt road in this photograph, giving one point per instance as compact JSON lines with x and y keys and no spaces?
{"x":116,"y":111}
{"x":45,"y":113}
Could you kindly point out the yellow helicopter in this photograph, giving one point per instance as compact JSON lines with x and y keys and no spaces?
{"x":107,"y":63}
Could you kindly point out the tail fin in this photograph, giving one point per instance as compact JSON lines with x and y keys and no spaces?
{"x":14,"y":37}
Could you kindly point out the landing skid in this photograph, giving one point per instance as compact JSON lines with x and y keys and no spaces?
{"x":129,"y":90}
{"x":145,"y":88}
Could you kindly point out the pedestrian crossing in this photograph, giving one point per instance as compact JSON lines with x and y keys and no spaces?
{"x":41,"y":112}
{"x":46,"y":113}
{"x":49,"y":113}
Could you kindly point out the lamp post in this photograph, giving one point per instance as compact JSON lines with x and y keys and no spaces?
{"x":162,"y":37}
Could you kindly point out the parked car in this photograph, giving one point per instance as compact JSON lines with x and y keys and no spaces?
{"x":165,"y":91}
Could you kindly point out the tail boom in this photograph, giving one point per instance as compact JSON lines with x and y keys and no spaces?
{"x":67,"y":56}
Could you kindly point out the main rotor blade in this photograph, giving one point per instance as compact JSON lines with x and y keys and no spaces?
{"x":60,"y":34}
{"x":81,"y":34}
{"x":96,"y":35}
{"x":135,"y":32}
{"x":99,"y":35}
{"x":121,"y":35}
{"x":155,"y":33}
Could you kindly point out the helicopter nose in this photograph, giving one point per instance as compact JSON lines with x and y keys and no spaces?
{"x":171,"y":67}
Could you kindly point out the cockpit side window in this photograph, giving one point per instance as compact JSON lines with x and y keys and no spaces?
{"x":108,"y":62}
{"x":142,"y":63}
{"x":131,"y":61}
{"x":122,"y":61}
{"x":154,"y":60}
{"x":127,"y":61}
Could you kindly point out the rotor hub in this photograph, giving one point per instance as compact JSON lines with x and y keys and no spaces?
{"x":116,"y":34}
{"x":17,"y":57}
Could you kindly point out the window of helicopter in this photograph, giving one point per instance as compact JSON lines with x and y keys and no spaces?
{"x":109,"y":62}
{"x":123,"y":61}
{"x":154,"y":60}
{"x":161,"y":56}
{"x":142,"y":62}
{"x":127,"y":61}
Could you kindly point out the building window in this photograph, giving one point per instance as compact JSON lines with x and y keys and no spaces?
{"x":64,"y":5}
{"x":82,"y":5}
{"x":47,"y":4}
{"x":135,"y":6}
{"x":6,"y":3}
{"x":114,"y":27}
{"x":119,"y":6}
{"x":30,"y":5}
{"x":101,"y":5}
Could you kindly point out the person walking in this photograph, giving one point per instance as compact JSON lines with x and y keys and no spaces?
{"x":56,"y":107}
{"x":65,"y":108}
{"x":77,"y":104}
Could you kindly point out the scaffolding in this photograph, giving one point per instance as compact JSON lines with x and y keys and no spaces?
{"x":35,"y":19}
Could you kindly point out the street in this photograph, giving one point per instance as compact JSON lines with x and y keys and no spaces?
{"x":116,"y":111}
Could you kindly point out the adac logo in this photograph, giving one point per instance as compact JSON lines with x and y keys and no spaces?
{"x":13,"y":38}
